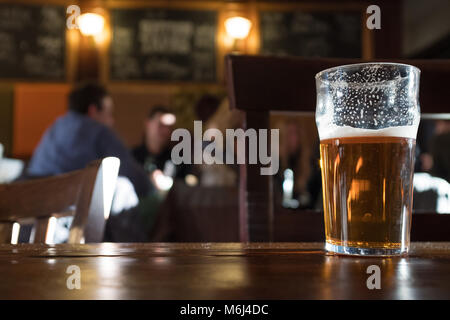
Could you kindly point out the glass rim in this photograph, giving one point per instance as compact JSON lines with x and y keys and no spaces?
{"x":319,"y":75}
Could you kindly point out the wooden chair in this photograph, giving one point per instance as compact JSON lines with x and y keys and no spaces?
{"x":86,"y":194}
{"x":258,"y":85}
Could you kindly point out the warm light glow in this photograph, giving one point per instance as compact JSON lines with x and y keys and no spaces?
{"x":191,"y":180}
{"x":50,"y":235}
{"x":90,"y":24}
{"x":168,"y":119}
{"x":359,"y":164}
{"x":162,"y":181}
{"x":238,"y":27}
{"x":15,"y":233}
{"x":288,"y":190}
{"x":110,"y":169}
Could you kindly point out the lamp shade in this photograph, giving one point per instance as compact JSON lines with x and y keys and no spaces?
{"x":90,"y":24}
{"x":238,"y":27}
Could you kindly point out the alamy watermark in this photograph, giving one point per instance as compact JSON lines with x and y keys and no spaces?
{"x":374,"y":281}
{"x":74,"y":11}
{"x":74,"y":280}
{"x":210,"y":147}
{"x":374,"y":20}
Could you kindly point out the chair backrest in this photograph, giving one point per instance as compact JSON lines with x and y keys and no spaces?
{"x":258,"y":85}
{"x":86,"y":194}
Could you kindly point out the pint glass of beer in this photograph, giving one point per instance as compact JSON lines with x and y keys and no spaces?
{"x":367,"y":116}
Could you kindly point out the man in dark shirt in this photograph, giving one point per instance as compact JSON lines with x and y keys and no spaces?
{"x":83,"y":135}
{"x":155,"y":151}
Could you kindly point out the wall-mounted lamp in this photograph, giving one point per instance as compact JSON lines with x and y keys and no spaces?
{"x":238,"y":27}
{"x":91,"y":24}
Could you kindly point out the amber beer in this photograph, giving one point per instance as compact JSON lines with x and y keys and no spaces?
{"x":367,"y":190}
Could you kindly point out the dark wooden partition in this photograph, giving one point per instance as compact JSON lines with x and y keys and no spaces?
{"x":264,"y":83}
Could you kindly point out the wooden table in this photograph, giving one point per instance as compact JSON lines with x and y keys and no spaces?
{"x":218,"y":271}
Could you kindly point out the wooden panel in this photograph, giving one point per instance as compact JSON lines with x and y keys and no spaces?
{"x":430,"y":227}
{"x":388,"y":40}
{"x":271,"y":83}
{"x":287,"y":84}
{"x":197,"y":214}
{"x":255,"y":190}
{"x":296,"y":225}
{"x":36,"y":106}
{"x":6,"y":117}
{"x":6,"y":229}
{"x":132,"y":104}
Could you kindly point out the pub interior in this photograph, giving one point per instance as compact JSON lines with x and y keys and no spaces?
{"x":118,"y":122}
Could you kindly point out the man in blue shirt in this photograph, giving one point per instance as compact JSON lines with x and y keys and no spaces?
{"x":83,"y":135}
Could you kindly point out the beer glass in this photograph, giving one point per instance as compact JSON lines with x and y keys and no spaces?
{"x":367,"y":116}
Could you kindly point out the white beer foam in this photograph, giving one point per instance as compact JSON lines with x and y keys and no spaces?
{"x":333,"y":131}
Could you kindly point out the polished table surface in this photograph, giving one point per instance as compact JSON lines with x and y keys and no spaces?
{"x":218,"y":271}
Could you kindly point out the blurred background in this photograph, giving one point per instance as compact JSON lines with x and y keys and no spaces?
{"x":170,"y":54}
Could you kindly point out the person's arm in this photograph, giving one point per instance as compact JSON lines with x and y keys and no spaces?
{"x":109,"y":145}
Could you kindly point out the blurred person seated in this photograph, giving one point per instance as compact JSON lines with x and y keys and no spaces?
{"x":154,"y":154}
{"x":82,"y":135}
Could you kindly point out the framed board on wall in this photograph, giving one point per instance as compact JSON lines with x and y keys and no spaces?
{"x":32,"y":39}
{"x":163,"y":44}
{"x":311,"y":34}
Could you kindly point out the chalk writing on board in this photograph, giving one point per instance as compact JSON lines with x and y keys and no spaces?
{"x":163,"y":44}
{"x":165,"y":36}
{"x":32,"y":41}
{"x":310,"y":34}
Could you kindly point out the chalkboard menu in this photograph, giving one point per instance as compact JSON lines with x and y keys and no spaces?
{"x":32,"y":41}
{"x":311,"y":34}
{"x":163,"y":44}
